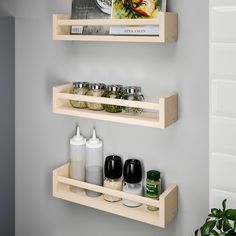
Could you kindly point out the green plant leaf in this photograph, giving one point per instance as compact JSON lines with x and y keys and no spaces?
{"x":219,"y":224}
{"x":235,"y":226}
{"x":231,"y":214}
{"x":208,"y":227}
{"x":215,"y":212}
{"x":226,"y":225}
{"x":196,"y":232}
{"x":224,"y":204}
{"x":221,"y":213}
{"x":231,"y":233}
{"x":214,"y":233}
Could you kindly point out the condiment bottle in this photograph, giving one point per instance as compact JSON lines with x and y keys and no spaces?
{"x":77,"y":159}
{"x":132,"y":181}
{"x":79,"y":88}
{"x":96,"y":90}
{"x":113,"y":91}
{"x":94,"y":163}
{"x":153,"y":187}
{"x":133,"y":93}
{"x":113,"y":174}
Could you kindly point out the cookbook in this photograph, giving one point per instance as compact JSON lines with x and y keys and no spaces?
{"x":91,"y":9}
{"x":136,"y":9}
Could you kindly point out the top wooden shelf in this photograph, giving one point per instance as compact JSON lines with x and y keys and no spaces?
{"x":167,"y":21}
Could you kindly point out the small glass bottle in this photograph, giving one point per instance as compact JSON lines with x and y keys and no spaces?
{"x":79,"y":88}
{"x":133,"y":93}
{"x":153,"y":187}
{"x":113,"y":176}
{"x":132,"y":181}
{"x":94,"y":163}
{"x":113,"y":91}
{"x":96,"y":90}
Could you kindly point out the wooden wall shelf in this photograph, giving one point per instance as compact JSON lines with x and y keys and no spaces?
{"x":167,"y":21}
{"x":167,"y":202}
{"x":165,"y":112}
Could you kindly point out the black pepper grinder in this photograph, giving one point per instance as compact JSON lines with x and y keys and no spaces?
{"x":132,"y":181}
{"x":113,"y":176}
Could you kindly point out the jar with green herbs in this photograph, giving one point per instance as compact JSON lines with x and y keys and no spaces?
{"x":96,"y":90}
{"x":153,"y":187}
{"x":133,"y":93}
{"x":79,"y":88}
{"x":113,"y":91}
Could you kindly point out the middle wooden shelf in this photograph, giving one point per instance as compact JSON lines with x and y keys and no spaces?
{"x":161,"y":114}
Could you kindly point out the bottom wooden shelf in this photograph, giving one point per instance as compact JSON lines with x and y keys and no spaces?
{"x":167,"y":202}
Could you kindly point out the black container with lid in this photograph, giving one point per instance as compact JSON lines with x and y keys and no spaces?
{"x":132,"y":171}
{"x":132,"y":179}
{"x":113,"y":167}
{"x":113,"y":173}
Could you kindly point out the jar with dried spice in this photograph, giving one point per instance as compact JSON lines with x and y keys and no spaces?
{"x":133,"y":93}
{"x":79,"y":88}
{"x":153,"y":187}
{"x":113,"y":91}
{"x":96,"y":90}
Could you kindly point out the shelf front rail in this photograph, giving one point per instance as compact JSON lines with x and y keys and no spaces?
{"x":167,"y":202}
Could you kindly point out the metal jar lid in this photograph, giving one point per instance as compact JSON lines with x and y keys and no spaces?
{"x":114,"y":87}
{"x":96,"y":86}
{"x":132,"y":89}
{"x":80,"y":85}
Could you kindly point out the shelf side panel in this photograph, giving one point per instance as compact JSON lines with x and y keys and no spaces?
{"x":169,"y":110}
{"x":171,"y":27}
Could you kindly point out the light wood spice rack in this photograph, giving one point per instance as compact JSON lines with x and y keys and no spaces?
{"x":165,"y":112}
{"x":167,"y":202}
{"x":167,"y":21}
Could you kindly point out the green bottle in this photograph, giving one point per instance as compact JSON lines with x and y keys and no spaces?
{"x":153,"y":187}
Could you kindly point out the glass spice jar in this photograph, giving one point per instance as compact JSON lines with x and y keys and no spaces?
{"x":113,"y":91}
{"x":153,"y":187}
{"x":96,"y":90}
{"x":79,"y":88}
{"x":133,"y":93}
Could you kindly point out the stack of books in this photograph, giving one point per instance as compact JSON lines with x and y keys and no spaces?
{"x":117,"y":9}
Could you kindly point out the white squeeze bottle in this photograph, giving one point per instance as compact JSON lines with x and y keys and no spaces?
{"x":94,"y":163}
{"x":77,"y":158}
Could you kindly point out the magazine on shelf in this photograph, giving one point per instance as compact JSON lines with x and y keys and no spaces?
{"x":136,"y":9}
{"x":91,"y":9}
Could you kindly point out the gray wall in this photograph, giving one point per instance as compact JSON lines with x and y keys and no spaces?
{"x":180,"y":152}
{"x":7,"y":125}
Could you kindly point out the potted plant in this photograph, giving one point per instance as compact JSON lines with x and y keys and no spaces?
{"x":220,"y":222}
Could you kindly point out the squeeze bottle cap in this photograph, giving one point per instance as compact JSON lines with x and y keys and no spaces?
{"x":77,"y":139}
{"x":94,"y":142}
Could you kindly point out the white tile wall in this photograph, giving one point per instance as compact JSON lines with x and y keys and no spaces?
{"x":224,"y":98}
{"x":223,"y":175}
{"x":222,"y":102}
{"x":224,"y":24}
{"x":223,"y":135}
{"x":223,"y":3}
{"x":223,"y":59}
{"x":217,"y":196}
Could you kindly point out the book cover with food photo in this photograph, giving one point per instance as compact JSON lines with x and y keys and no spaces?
{"x":136,"y":9}
{"x":91,"y":9}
